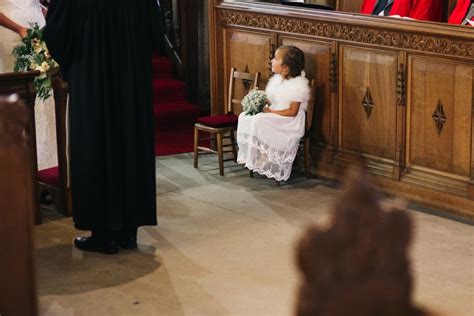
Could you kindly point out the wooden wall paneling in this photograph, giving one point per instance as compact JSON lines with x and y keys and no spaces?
{"x":349,"y":5}
{"x":372,"y":52}
{"x":440,"y":128}
{"x":248,"y":51}
{"x":330,"y":3}
{"x":319,"y":65}
{"x":470,"y":187}
{"x":368,"y":107}
{"x":216,"y":61}
{"x":400,"y":142}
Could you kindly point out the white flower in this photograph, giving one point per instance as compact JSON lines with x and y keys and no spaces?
{"x":37,"y":45}
{"x":44,"y":67}
{"x":254,"y":102}
{"x":37,"y":48}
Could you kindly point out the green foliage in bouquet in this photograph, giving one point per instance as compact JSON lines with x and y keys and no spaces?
{"x":254,"y":102}
{"x":32,"y":54}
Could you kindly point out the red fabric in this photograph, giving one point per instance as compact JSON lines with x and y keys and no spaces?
{"x":162,"y":67}
{"x":174,"y":116}
{"x":401,"y":7}
{"x":368,"y":6}
{"x":169,"y":90}
{"x":459,"y":12}
{"x":49,"y":176}
{"x":169,"y":115}
{"x":229,"y":119}
{"x":427,"y":10}
{"x":171,"y":142}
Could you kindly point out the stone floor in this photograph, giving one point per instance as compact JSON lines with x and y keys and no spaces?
{"x":225,"y":246}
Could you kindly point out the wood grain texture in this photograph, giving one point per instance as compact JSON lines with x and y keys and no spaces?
{"x":394,"y":96}
{"x":18,"y":200}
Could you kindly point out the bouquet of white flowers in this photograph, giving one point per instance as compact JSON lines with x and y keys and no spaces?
{"x":32,"y":54}
{"x":254,"y":102}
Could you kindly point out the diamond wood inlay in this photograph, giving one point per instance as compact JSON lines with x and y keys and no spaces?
{"x":368,"y":103}
{"x":439,"y":117}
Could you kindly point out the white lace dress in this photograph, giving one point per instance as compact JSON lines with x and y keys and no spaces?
{"x":24,"y":12}
{"x":268,"y":142}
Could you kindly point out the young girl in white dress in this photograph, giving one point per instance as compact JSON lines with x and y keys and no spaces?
{"x":15,"y":16}
{"x":268,"y":141}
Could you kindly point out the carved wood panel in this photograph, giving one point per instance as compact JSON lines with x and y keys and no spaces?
{"x":380,"y":98}
{"x":380,"y":34}
{"x":250,"y":52}
{"x":318,"y":66}
{"x":368,"y":101}
{"x":439,"y":114}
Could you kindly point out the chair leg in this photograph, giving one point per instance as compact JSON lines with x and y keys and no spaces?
{"x":277,"y":183}
{"x":251,"y":173}
{"x":234,"y":148}
{"x":307,"y":166}
{"x":220,"y":153}
{"x":196,"y":144}
{"x":213,"y":141}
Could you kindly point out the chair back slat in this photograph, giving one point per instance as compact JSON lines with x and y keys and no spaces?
{"x":231,"y":90}
{"x":244,"y":76}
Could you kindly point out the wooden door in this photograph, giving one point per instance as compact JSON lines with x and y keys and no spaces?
{"x":440,"y":103}
{"x":249,"y":52}
{"x":320,"y":59}
{"x":349,"y":5}
{"x":369,"y":121}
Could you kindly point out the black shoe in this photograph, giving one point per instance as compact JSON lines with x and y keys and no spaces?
{"x":95,"y":244}
{"x":127,"y":239}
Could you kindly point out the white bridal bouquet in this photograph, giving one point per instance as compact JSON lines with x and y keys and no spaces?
{"x":254,"y":102}
{"x":32,"y":54}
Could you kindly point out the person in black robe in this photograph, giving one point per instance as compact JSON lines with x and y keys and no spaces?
{"x":104,"y":49}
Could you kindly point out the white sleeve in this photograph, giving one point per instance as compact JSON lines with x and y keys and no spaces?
{"x":300,"y":90}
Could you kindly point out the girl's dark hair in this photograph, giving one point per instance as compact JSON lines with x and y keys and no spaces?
{"x":293,"y":58}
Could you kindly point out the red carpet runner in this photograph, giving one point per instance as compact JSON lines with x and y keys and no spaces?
{"x":174,"y":117}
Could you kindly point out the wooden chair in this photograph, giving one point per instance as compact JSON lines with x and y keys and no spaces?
{"x":219,"y":125}
{"x":304,"y":148}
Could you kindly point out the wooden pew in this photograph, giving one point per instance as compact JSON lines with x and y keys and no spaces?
{"x":18,"y":201}
{"x":22,"y":85}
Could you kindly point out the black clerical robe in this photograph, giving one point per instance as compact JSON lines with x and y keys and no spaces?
{"x":104,"y":49}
